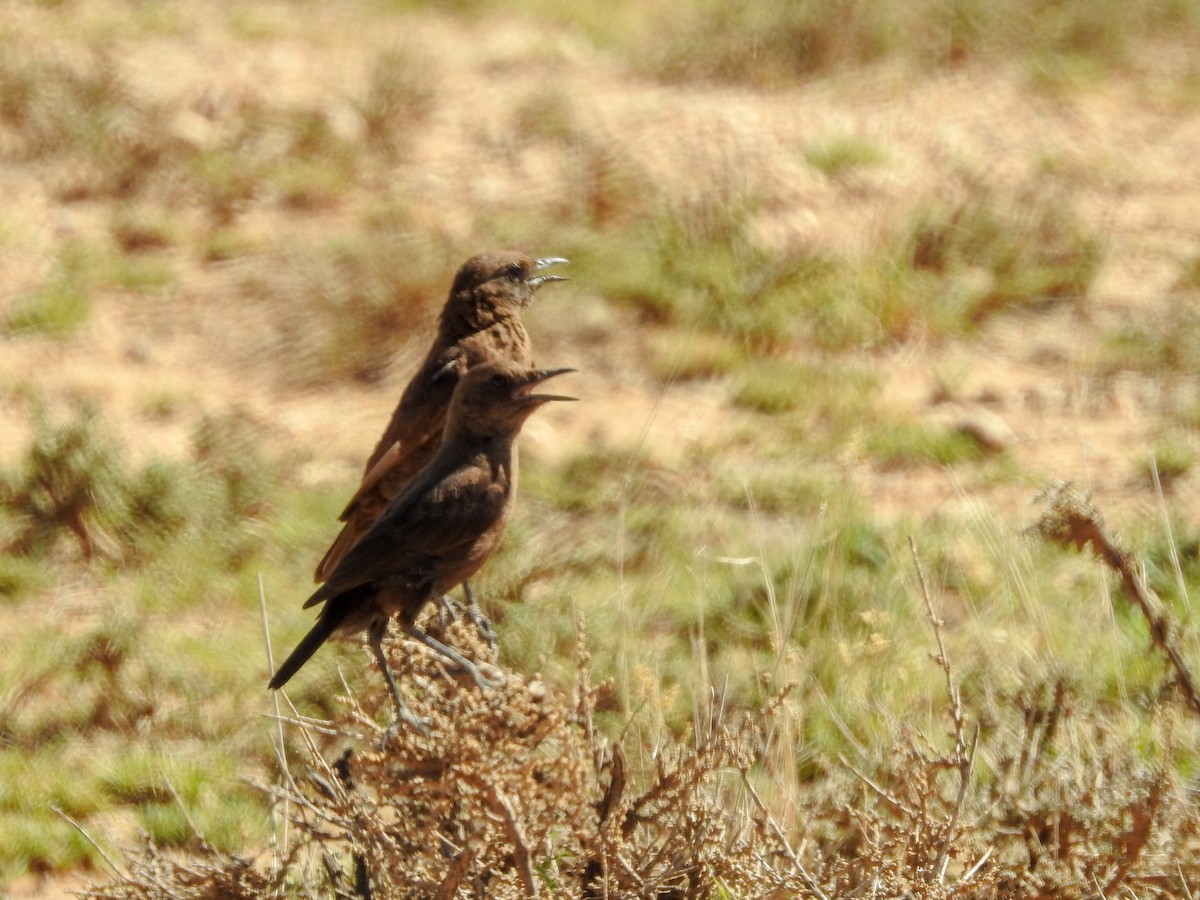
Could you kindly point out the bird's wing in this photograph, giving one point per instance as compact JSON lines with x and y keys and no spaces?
{"x":431,"y":518}
{"x":421,"y":413}
{"x":409,"y":440}
{"x":374,"y":475}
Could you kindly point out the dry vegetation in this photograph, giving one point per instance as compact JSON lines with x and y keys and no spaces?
{"x":851,"y":283}
{"x":518,"y":792}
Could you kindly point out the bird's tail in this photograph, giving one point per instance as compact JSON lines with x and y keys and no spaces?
{"x":321,"y":631}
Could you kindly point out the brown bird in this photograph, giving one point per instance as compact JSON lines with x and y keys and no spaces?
{"x":439,"y":530}
{"x":481,"y":321}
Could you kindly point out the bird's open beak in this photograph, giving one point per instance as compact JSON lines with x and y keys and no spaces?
{"x":538,"y":280}
{"x":525,"y":391}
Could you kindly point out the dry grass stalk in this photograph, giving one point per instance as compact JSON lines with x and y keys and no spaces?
{"x":206,"y":875}
{"x":964,"y":756}
{"x":1072,"y":520}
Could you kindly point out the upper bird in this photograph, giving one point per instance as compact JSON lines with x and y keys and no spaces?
{"x":480,"y":322}
{"x":442,"y":526}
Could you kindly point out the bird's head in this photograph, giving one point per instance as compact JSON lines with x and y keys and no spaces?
{"x":495,"y":285}
{"x":495,"y":398}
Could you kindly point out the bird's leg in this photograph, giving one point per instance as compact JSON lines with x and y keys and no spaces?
{"x":451,"y":654}
{"x":478,"y":618}
{"x":403,"y":714}
{"x":448,"y":609}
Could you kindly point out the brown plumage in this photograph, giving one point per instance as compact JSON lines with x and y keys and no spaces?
{"x":440,"y":529}
{"x":481,"y":321}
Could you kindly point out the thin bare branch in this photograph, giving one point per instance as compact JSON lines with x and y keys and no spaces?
{"x":91,"y":840}
{"x":809,"y":881}
{"x":1072,"y":520}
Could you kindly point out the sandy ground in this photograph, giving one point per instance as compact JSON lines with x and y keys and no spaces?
{"x":1133,"y":172}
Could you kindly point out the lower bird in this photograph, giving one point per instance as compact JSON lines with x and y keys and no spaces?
{"x":443,"y":526}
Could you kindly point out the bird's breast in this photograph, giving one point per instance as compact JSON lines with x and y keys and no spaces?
{"x":484,"y":501}
{"x":503,"y":339}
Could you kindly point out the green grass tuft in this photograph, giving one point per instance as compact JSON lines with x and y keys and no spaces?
{"x":1173,"y":457}
{"x":954,"y":265}
{"x":62,"y":305}
{"x":839,"y":155}
{"x":41,"y":843}
{"x":401,"y":93}
{"x":906,"y":444}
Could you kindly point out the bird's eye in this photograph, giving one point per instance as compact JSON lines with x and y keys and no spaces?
{"x":499,"y":381}
{"x":512,"y":272}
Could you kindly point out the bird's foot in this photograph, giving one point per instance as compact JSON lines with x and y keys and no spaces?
{"x":482,"y":681}
{"x":406,"y":717}
{"x":483,"y":625}
{"x":454,"y":656}
{"x":485,"y":675}
{"x":403,"y":714}
{"x":449,"y":610}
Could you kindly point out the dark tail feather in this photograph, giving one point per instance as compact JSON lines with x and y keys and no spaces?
{"x":320,"y":633}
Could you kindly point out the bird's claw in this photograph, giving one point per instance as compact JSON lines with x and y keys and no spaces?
{"x":482,"y":681}
{"x":449,"y":653}
{"x":483,"y":625}
{"x":449,"y":610}
{"x":415,"y":722}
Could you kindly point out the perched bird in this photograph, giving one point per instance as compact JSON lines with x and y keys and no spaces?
{"x":438,"y":531}
{"x":481,"y":321}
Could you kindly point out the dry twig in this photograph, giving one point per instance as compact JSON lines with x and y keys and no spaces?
{"x":1072,"y":520}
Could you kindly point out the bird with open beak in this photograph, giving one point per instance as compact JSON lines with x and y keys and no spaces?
{"x":439,"y":530}
{"x":480,"y":322}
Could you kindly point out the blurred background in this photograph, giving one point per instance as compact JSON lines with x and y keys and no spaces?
{"x":842,"y":274}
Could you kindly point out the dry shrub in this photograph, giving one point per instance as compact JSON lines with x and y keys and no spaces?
{"x":512,"y":792}
{"x":1057,"y":807}
{"x":515,"y":792}
{"x":209,"y":875}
